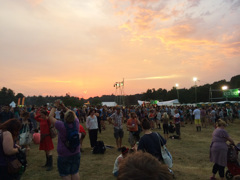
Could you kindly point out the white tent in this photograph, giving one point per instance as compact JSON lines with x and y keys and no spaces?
{"x":168,"y":103}
{"x":12,"y":104}
{"x":141,"y":102}
{"x":109,"y":104}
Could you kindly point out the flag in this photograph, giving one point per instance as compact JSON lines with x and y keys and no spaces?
{"x":19,"y":100}
{"x":23,"y":100}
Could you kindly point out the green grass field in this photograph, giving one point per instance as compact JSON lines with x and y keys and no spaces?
{"x":190,"y":156}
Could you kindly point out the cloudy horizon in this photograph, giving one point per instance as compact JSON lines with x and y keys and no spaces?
{"x":83,"y":47}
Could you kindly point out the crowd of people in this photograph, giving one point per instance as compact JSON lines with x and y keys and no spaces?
{"x":16,"y":123}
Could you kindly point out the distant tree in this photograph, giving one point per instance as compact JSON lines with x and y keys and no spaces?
{"x":235,"y":82}
{"x":6,"y":96}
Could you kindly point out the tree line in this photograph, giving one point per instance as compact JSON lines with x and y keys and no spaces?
{"x":185,"y":95}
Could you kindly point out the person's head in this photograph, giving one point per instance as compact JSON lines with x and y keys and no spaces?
{"x":36,"y":130}
{"x":145,"y":124}
{"x":176,"y":111}
{"x":69,"y":117}
{"x":221,"y":123}
{"x":165,"y":115}
{"x":92,"y":112}
{"x":43,"y":114}
{"x":124,"y":151}
{"x":118,"y":110}
{"x":133,"y":115}
{"x":13,"y":126}
{"x":141,"y":165}
{"x":25,"y":115}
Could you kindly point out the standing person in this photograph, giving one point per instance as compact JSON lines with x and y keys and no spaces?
{"x":150,"y":142}
{"x":16,"y":112}
{"x":117,"y":117}
{"x":68,"y":147}
{"x":165,"y":119}
{"x":92,"y":126}
{"x":176,"y":118}
{"x":213,"y":116}
{"x":158,"y":119}
{"x":103,"y":118}
{"x":9,"y":132}
{"x":58,"y":114}
{"x":219,"y":149}
{"x":197,"y":119}
{"x":132,"y":126}
{"x":32,"y":118}
{"x":151,"y":117}
{"x":98,"y":114}
{"x":203,"y":115}
{"x":180,"y":111}
{"x":27,"y":127}
{"x":46,"y":143}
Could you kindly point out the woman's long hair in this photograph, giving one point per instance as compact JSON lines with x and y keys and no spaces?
{"x":13,"y":126}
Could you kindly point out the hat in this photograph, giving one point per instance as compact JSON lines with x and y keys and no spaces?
{"x":124,"y":150}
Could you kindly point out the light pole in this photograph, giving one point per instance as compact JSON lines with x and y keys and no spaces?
{"x":177,"y":91}
{"x":224,"y":88}
{"x":195,"y":80}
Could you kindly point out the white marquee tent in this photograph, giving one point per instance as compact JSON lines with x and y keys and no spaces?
{"x":109,"y":104}
{"x":169,"y":103}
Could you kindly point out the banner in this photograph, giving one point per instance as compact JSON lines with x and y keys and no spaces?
{"x":231,"y":93}
{"x":23,"y":100}
{"x":19,"y":100}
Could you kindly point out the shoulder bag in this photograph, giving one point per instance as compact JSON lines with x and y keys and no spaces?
{"x":53,"y":131}
{"x":166,"y":155}
{"x":25,"y":137}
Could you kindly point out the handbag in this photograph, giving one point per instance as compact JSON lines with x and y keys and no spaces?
{"x":53,"y":131}
{"x":166,"y":155}
{"x":14,"y":166}
{"x":25,"y":137}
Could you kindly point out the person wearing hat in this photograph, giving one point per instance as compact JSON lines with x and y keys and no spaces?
{"x":119,"y":159}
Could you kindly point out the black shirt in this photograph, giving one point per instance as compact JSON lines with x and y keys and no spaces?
{"x":151,"y":143}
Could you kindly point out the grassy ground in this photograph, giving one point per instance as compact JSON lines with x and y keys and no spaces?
{"x":190,"y":156}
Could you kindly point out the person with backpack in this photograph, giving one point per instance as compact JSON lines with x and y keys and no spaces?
{"x":68,"y":147}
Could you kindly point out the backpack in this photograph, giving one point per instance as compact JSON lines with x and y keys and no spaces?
{"x":72,"y":141}
{"x":99,"y":148}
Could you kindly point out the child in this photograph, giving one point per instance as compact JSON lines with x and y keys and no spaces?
{"x":119,"y":159}
{"x":36,"y":137}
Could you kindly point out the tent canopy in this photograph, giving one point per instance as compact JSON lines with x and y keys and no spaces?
{"x":168,"y":103}
{"x":143,"y":102}
{"x":109,"y":104}
{"x":12,"y":104}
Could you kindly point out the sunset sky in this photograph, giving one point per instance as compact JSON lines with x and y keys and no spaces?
{"x":82,"y":47}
